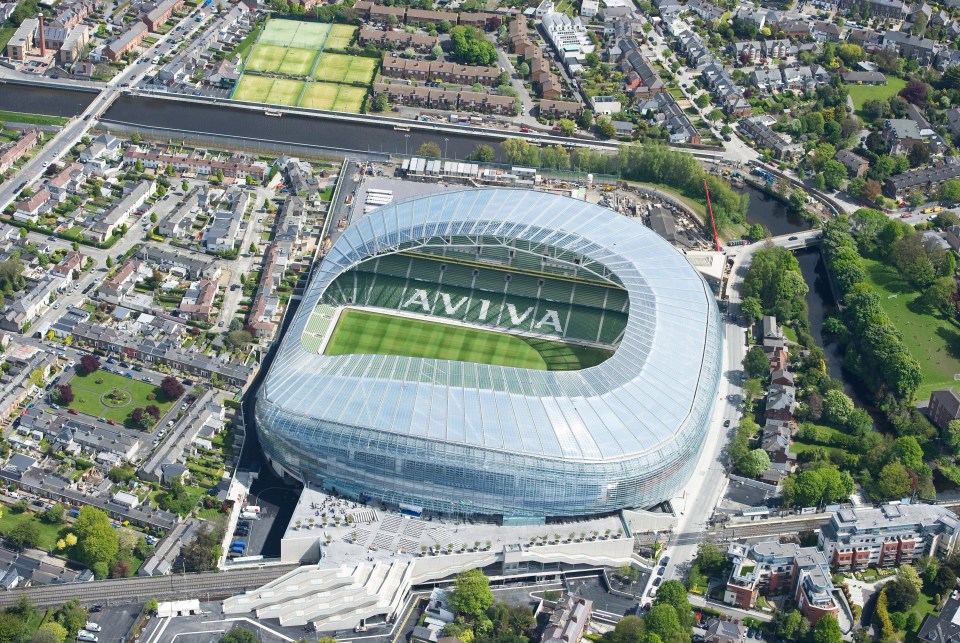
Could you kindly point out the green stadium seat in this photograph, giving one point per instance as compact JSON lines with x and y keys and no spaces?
{"x":458,"y":275}
{"x":584,"y":324}
{"x":613,"y":325}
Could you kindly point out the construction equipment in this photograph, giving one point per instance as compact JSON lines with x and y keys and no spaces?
{"x":713,"y":222}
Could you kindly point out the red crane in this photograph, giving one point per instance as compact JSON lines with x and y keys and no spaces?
{"x":713,"y":222}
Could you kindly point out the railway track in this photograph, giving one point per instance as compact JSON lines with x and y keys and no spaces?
{"x":207,"y":585}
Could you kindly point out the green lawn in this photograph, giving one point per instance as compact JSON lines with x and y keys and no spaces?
{"x":339,"y":68}
{"x":340,"y":37}
{"x":862,"y":93}
{"x":90,"y":391}
{"x":49,"y":534}
{"x":32,"y":119}
{"x":378,"y":334}
{"x":933,"y":340}
{"x":923,"y":607}
{"x":6,"y":33}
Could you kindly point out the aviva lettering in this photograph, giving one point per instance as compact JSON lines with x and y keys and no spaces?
{"x":419,"y":300}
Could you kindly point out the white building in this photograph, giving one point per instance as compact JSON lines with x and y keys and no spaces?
{"x":589,"y":9}
{"x":568,"y":36}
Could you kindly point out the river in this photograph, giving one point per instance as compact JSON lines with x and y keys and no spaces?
{"x":773,"y":214}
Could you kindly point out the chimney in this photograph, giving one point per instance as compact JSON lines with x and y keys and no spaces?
{"x":43,"y":41}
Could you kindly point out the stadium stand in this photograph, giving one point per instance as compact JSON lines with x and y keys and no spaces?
{"x":511,"y":298}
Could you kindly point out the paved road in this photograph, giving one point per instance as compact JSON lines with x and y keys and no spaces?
{"x":137,"y":590}
{"x":78,"y":127}
{"x":703,"y":492}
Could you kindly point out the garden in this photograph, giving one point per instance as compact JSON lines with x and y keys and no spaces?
{"x":114,"y":397}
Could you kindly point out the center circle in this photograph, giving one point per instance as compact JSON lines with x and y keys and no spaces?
{"x":116,"y":398}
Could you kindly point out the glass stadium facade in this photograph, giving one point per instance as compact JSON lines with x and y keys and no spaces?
{"x":466,"y":438}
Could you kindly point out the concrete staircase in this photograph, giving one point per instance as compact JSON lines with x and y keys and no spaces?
{"x":329,"y":598}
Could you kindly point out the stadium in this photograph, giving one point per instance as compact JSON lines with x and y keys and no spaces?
{"x":503,"y":353}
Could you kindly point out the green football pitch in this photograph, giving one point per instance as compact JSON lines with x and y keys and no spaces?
{"x":369,"y":333}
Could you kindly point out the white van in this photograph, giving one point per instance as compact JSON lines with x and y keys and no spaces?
{"x":91,"y":627}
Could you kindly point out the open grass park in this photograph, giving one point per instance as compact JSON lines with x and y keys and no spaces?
{"x":932,"y":339}
{"x":862,"y":93}
{"x":288,"y":51}
{"x":370,"y":333}
{"x":113,"y":396}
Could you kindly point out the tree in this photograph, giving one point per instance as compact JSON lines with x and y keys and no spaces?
{"x":755,"y":463}
{"x":97,"y":540}
{"x":902,"y":594}
{"x":837,"y":407}
{"x":380,"y":102}
{"x":184,"y":185}
{"x":567,"y":127}
{"x":239,"y":634}
{"x":752,"y":309}
{"x":944,"y":581}
{"x":482,"y":153}
{"x":702,"y":100}
{"x":89,"y":364}
{"x":516,"y":149}
{"x":756,"y":363}
{"x":663,"y":620}
{"x":586,"y":119}
{"x":919,"y":155}
{"x":429,"y":150}
{"x":53,"y":514}
{"x":120,"y":569}
{"x":629,"y":629}
{"x":605,"y":127}
{"x":172,"y":387}
{"x":672,"y":592}
{"x":893,"y":481}
{"x":915,"y":92}
{"x":236,"y":339}
{"x":64,"y":394}
{"x":26,"y":534}
{"x":827,"y":630}
{"x":471,"y":47}
{"x":471,"y":593}
{"x":907,"y":450}
{"x":834,"y":174}
{"x":50,"y":632}
{"x":940,"y":294}
{"x":523,"y":70}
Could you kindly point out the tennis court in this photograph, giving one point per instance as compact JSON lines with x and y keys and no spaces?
{"x":293,"y":33}
{"x":338,"y":68}
{"x":340,"y":37}
{"x":275,"y":91}
{"x":340,"y":98}
{"x":289,"y":61}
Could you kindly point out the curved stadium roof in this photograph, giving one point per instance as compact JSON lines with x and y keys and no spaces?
{"x":634,"y":403}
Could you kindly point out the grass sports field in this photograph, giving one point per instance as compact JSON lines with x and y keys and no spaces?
{"x":338,"y":68}
{"x":862,"y":93}
{"x":340,"y":37}
{"x":932,"y":339}
{"x":293,"y":33}
{"x":370,"y":333}
{"x":341,"y":98}
{"x":272,"y":91}
{"x":289,"y":61}
{"x":90,"y":395}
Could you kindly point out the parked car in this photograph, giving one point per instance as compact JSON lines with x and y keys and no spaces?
{"x":73,"y":411}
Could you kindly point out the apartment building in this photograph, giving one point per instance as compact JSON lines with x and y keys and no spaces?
{"x":22,"y":42}
{"x":161,"y":13}
{"x":765,"y":138}
{"x":944,"y":407}
{"x":396,"y":67}
{"x":15,"y":151}
{"x":925,"y":179}
{"x":108,"y":223}
{"x":237,"y":166}
{"x":888,"y":536}
{"x":126,"y":41}
{"x":568,"y":36}
{"x":446,"y":98}
{"x":771,"y":568}
{"x":398,"y":39}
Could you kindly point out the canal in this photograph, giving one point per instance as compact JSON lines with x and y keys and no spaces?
{"x":33,"y":99}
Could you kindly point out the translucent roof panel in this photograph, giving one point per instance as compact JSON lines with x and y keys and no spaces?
{"x":634,"y":403}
